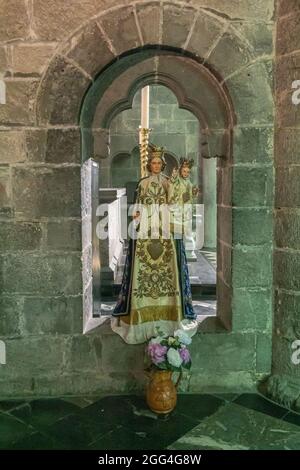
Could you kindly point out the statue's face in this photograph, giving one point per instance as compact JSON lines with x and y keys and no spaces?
{"x":185,"y":172}
{"x":155,"y":165}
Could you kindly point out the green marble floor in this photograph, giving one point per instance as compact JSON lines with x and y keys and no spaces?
{"x":221,"y":422}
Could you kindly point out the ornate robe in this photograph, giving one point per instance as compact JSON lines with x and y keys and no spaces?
{"x":155,"y":291}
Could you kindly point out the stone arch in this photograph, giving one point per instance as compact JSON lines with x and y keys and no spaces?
{"x":113,"y":32}
{"x":203,"y":37}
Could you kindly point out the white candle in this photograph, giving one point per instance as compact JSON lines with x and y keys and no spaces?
{"x":145,"y":108}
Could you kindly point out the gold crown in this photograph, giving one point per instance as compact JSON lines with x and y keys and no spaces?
{"x":157,"y":152}
{"x":189,"y":162}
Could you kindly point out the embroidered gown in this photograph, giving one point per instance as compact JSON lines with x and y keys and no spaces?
{"x":155,"y":290}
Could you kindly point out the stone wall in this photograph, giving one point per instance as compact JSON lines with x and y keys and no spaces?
{"x":284,"y":384}
{"x":49,"y":56}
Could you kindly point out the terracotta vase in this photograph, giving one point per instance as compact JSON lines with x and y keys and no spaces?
{"x":161,"y":393}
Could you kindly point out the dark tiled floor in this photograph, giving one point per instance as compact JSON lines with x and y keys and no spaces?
{"x":124,"y":422}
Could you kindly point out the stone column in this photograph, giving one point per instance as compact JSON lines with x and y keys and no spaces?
{"x":284,"y":384}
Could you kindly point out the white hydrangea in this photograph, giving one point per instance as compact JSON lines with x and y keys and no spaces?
{"x":183,"y":337}
{"x":174,"y":357}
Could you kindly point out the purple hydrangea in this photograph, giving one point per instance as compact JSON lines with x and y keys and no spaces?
{"x":157,"y":352}
{"x":185,"y":355}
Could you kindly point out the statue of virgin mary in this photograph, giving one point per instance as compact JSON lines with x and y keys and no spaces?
{"x":155,"y":292}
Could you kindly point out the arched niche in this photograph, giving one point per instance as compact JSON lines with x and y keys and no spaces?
{"x":196,"y":89}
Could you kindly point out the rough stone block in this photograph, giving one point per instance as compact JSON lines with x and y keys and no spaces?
{"x":55,"y":20}
{"x":32,"y":356}
{"x":287,"y":321}
{"x":64,"y":84}
{"x":192,"y":144}
{"x":223,"y":352}
{"x":236,"y":9}
{"x":90,"y":50}
{"x":287,"y":70}
{"x":259,"y":35}
{"x":31,"y":59}
{"x":177,"y":22}
{"x":101,"y":144}
{"x":252,"y":266}
{"x":205,"y":32}
{"x":250,"y":186}
{"x":287,"y":34}
{"x":20,"y":97}
{"x":183,"y":114}
{"x":287,"y":192}
{"x":63,"y":146}
{"x":264,"y":353}
{"x":14,"y":24}
{"x":224,"y":186}
{"x":5,"y":190}
{"x":287,"y":269}
{"x":116,"y":358}
{"x":287,"y":143}
{"x":224,"y":215}
{"x":251,"y":93}
{"x":166,"y":111}
{"x":10,"y":308}
{"x":252,"y":226}
{"x":287,"y":228}
{"x":149,"y":16}
{"x":64,"y":235}
{"x":84,"y":354}
{"x":252,"y":309}
{"x":282,"y":363}
{"x":12,"y":146}
{"x":192,"y":127}
{"x":177,"y":127}
{"x":226,"y":254}
{"x":287,"y":67}
{"x":47,"y":192}
{"x":35,"y":140}
{"x":20,"y":236}
{"x":120,"y":26}
{"x":234,"y":49}
{"x":42,"y":274}
{"x":289,"y":7}
{"x":4,"y":66}
{"x":181,"y":68}
{"x":253,"y":145}
{"x":224,"y":299}
{"x":52,"y":315}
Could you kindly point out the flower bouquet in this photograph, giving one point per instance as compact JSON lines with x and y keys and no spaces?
{"x":170,"y":352}
{"x":166,"y":354}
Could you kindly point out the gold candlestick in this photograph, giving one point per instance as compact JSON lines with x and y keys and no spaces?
{"x":144,"y":148}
